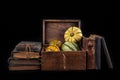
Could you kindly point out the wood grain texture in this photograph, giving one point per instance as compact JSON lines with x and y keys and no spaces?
{"x":54,"y":29}
{"x":63,"y":60}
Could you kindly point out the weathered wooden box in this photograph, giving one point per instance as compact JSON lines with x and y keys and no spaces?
{"x":63,"y":60}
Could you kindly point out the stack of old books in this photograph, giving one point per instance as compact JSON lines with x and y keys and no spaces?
{"x":25,"y":56}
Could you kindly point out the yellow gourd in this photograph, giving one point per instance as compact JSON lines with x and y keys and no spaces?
{"x":52,"y":48}
{"x":73,"y":34}
{"x":55,"y":42}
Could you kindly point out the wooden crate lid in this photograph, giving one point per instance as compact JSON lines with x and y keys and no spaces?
{"x":54,"y":29}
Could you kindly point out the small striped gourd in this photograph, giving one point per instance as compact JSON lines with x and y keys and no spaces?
{"x":69,"y":46}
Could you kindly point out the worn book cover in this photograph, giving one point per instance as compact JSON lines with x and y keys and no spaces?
{"x":27,"y":49}
{"x":23,"y":64}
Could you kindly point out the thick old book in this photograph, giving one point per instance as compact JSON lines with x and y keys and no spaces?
{"x":23,"y":64}
{"x":94,"y":45}
{"x":106,"y":52}
{"x":89,"y":47}
{"x":26,"y":49}
{"x":98,"y":51}
{"x":12,"y":61}
{"x":23,"y":67}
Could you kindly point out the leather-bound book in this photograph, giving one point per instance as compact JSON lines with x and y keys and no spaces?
{"x":23,"y":64}
{"x":26,"y":50}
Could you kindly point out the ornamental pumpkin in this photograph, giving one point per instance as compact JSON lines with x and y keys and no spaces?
{"x":69,"y":46}
{"x":52,"y":48}
{"x":55,"y":42}
{"x":73,"y":34}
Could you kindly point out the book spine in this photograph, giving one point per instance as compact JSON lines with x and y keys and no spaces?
{"x":109,"y":62}
{"x":98,"y":52}
{"x":90,"y":53}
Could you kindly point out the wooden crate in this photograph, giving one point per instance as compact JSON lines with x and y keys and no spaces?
{"x":63,"y":60}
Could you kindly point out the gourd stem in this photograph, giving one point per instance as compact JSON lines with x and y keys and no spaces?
{"x":71,"y":34}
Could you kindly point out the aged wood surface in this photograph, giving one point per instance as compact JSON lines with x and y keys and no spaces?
{"x":54,"y":29}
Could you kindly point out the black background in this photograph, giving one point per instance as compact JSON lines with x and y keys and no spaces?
{"x":23,"y":22}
